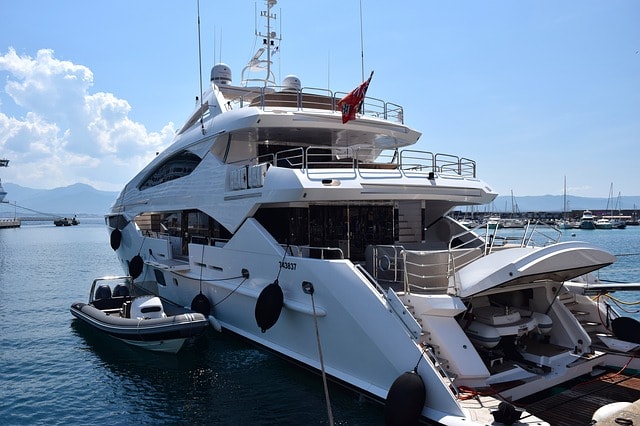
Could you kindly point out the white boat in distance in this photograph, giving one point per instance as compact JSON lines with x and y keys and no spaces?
{"x":311,"y":227}
{"x":587,"y":220}
{"x":603,"y":223}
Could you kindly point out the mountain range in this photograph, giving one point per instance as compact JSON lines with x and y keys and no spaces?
{"x":84,"y":200}
{"x":78,"y":199}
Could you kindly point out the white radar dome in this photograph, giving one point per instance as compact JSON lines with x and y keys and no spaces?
{"x":291,"y":82}
{"x":221,"y":74}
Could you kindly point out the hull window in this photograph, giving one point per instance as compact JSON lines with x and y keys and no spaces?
{"x":173,"y":168}
{"x":182,"y":228}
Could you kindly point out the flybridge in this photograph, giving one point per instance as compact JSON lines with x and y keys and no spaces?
{"x":300,"y":98}
{"x":258,"y":84}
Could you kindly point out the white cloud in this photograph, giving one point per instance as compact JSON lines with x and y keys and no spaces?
{"x":68,"y":134}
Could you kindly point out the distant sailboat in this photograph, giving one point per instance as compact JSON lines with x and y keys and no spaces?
{"x":617,"y":222}
{"x":514,"y":221}
{"x":564,"y":223}
{"x":605,"y":222}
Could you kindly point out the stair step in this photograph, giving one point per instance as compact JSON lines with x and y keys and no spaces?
{"x":407,"y":239}
{"x":579,"y":313}
{"x":566,"y":296}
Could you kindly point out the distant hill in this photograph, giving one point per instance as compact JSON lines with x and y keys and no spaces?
{"x":554,"y":203}
{"x":84,"y":200}
{"x":78,"y":199}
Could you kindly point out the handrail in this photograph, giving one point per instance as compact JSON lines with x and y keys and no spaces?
{"x":369,"y":278}
{"x":408,"y":163}
{"x":427,"y":271}
{"x":383,"y":263}
{"x":437,"y":363}
{"x":431,"y":270}
{"x":493,"y":238}
{"x":274,"y":97}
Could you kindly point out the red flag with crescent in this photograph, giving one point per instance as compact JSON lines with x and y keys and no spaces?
{"x":350,"y":104}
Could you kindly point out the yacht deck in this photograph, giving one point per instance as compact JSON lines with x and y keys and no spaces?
{"x":576,"y":404}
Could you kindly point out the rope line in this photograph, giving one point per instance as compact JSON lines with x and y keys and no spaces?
{"x":324,"y":375}
{"x":232,"y":291}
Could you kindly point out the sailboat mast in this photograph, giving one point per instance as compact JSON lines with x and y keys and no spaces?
{"x":564,"y":199}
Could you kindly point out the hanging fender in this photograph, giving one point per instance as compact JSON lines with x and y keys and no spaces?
{"x":116,"y":239}
{"x":215,"y":323}
{"x":627,"y":329}
{"x":201,"y":304}
{"x":405,"y":400}
{"x":269,"y":305}
{"x":506,"y":414}
{"x":135,"y":266}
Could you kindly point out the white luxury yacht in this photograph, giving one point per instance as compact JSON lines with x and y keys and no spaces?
{"x":308,"y":225}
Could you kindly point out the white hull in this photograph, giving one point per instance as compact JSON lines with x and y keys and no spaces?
{"x":285,"y":217}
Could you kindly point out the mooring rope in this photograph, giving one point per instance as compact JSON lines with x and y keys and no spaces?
{"x":308,"y":288}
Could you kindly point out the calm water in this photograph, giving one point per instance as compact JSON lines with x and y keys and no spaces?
{"x":53,"y":370}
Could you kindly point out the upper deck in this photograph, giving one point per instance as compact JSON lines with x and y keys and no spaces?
{"x":272,"y":98}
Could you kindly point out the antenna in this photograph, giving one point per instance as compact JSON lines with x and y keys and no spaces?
{"x":200,"y":68}
{"x":329,"y":69}
{"x":361,"y":42}
{"x":269,"y":46}
{"x":220,"y":54}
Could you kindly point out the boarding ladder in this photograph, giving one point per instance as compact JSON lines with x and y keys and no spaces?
{"x":413,"y":325}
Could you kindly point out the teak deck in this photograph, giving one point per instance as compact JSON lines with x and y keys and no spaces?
{"x":577,"y":404}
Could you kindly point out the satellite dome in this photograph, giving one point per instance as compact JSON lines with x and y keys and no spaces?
{"x":221,"y":74}
{"x":292,"y":83}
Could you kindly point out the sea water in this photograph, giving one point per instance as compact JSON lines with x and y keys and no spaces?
{"x":54,"y":370}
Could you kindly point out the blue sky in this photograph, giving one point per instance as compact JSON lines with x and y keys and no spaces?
{"x":532,"y":90}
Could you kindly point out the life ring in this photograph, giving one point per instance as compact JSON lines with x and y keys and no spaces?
{"x":116,"y":239}
{"x":384,"y":263}
{"x":268,"y":306}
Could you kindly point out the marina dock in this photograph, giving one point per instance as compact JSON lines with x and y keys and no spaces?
{"x":9,"y":223}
